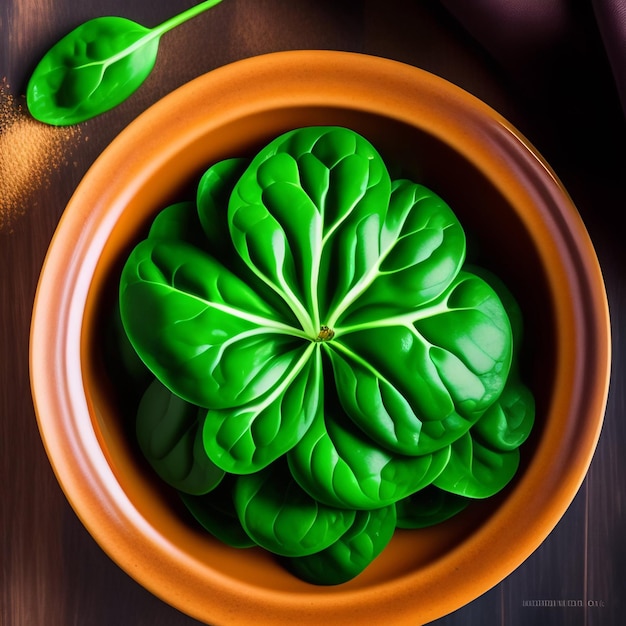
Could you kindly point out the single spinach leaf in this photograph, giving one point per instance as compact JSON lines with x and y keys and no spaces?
{"x":282,"y":518}
{"x":348,"y":557}
{"x":307,"y":193}
{"x":452,"y":354}
{"x":170,"y":437}
{"x":179,"y":222}
{"x":375,"y":404}
{"x":97,"y":66}
{"x":390,"y":416}
{"x":420,"y":247}
{"x":428,"y":507}
{"x":509,"y":421}
{"x":476,"y":471}
{"x":216,"y":513}
{"x":212,"y":198}
{"x":201,"y":330}
{"x":245,"y":439}
{"x":336,"y":463}
{"x":472,"y":336}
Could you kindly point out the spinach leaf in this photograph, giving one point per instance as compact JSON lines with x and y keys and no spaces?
{"x":336,"y":463}
{"x":179,"y":222}
{"x":212,"y":197}
{"x":170,"y":437}
{"x":476,"y":471}
{"x":203,"y":332}
{"x":351,"y":553}
{"x":247,"y":438}
{"x":305,"y":195}
{"x":96,"y":67}
{"x":420,"y":248}
{"x":443,"y":365}
{"x":507,"y":423}
{"x":282,"y":518}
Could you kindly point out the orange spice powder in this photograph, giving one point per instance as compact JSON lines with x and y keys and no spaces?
{"x":29,"y":153}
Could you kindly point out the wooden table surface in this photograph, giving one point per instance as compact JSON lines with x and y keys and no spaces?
{"x":53,"y":573}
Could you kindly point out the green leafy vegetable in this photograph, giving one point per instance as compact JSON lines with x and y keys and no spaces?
{"x":447,"y":360}
{"x":304,"y":198}
{"x":506,"y":424}
{"x":214,"y":191}
{"x":245,"y":439}
{"x":351,"y":553}
{"x":212,"y":198}
{"x":334,"y":354}
{"x":208,"y":337}
{"x":178,"y":222}
{"x":476,"y":471}
{"x":338,"y":464}
{"x":170,"y":436}
{"x":96,"y":67}
{"x":216,"y":513}
{"x":418,"y":250}
{"x":281,"y":517}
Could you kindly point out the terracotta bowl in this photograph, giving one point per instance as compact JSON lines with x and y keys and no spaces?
{"x":527,"y":231}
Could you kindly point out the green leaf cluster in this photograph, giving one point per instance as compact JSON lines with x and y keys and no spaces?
{"x":327,"y":367}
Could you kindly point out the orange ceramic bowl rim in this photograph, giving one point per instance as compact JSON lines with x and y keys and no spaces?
{"x":173,"y":565}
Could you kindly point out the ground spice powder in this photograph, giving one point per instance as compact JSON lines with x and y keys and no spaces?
{"x":30,"y":152}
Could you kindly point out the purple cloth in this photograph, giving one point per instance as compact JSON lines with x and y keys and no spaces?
{"x":551,"y":47}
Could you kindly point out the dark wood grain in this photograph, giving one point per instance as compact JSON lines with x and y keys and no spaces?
{"x":53,"y":572}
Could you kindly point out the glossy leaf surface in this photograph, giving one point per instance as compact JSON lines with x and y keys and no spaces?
{"x":96,"y":66}
{"x":443,"y":365}
{"x":281,"y":517}
{"x":208,"y":337}
{"x":170,"y":436}
{"x":179,"y":222}
{"x":420,"y":248}
{"x":307,"y":197}
{"x":351,"y":553}
{"x":338,"y":464}
{"x":507,"y":423}
{"x":212,"y":198}
{"x":247,"y":438}
{"x":476,"y":471}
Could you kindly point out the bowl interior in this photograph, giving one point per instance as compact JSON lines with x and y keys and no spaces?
{"x":521,"y":225}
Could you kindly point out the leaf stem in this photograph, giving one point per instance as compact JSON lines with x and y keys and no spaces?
{"x":267,"y":324}
{"x":404,"y":319}
{"x":298,"y":309}
{"x":172,"y":22}
{"x":315,"y":272}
